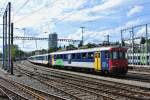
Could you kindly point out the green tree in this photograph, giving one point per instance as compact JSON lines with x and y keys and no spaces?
{"x":71,"y":47}
{"x":80,"y":44}
{"x":59,"y":48}
{"x":52,"y":50}
{"x":17,"y":53}
{"x":142,"y":40}
{"x":91,"y":45}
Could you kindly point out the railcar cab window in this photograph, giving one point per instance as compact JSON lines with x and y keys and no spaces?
{"x":118,"y":55}
{"x":122,"y":55}
{"x":115,"y":55}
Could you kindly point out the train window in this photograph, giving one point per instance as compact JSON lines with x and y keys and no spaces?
{"x":147,"y":57}
{"x":121,"y":55}
{"x":61,"y":57}
{"x":115,"y":55}
{"x":90,"y":55}
{"x":106,"y":54}
{"x":78,"y":56}
{"x":65,"y":56}
{"x":58,"y":57}
{"x":41,"y":58}
{"x":73,"y":56}
{"x":83,"y":55}
{"x":124,"y":54}
{"x":55,"y":56}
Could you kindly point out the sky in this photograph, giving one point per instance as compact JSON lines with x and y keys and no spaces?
{"x":65,"y":17}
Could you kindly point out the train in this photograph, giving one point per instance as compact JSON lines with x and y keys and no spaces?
{"x":105,"y":60}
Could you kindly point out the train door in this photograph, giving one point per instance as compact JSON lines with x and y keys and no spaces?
{"x":97,"y":61}
{"x":105,"y":60}
{"x":52,"y":57}
{"x":49,"y":60}
{"x":69,"y":58}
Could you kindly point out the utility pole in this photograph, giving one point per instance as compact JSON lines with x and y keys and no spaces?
{"x":121,"y":39}
{"x":9,"y":37}
{"x":82,"y":34}
{"x":146,"y":44}
{"x":24,"y":30}
{"x":12,"y":56}
{"x":132,"y":33}
{"x":108,"y":38}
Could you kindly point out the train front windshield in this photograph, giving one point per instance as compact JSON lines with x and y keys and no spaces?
{"x":118,"y":55}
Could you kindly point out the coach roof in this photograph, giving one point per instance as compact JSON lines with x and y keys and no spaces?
{"x":82,"y":50}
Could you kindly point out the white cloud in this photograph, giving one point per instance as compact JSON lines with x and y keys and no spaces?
{"x":57,"y":10}
{"x":101,"y":11}
{"x":90,"y":36}
{"x":108,"y":4}
{"x":49,"y":12}
{"x":136,"y":9}
{"x":132,"y":23}
{"x":99,"y":36}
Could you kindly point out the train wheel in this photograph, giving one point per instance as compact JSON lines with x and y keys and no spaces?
{"x":106,"y":72}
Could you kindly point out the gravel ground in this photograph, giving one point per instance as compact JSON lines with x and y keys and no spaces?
{"x":36,"y":84}
{"x":3,"y":96}
{"x":31,"y":82}
{"x":130,"y":82}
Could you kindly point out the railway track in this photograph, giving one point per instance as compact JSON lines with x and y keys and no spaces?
{"x":3,"y":95}
{"x":76,"y":91}
{"x":139,"y":76}
{"x":140,"y":69}
{"x":110,"y":88}
{"x":16,"y":91}
{"x":132,"y":75}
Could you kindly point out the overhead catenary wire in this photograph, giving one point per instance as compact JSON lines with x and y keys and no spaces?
{"x":3,"y":8}
{"x":145,"y":3}
{"x":24,"y":4}
{"x":115,"y":13}
{"x":35,"y":11}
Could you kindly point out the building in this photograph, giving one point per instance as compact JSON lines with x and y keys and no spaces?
{"x":53,"y":38}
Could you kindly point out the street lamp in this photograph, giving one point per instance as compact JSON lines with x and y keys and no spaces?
{"x":24,"y":30}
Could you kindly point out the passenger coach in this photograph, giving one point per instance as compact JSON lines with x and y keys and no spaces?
{"x":101,"y":59}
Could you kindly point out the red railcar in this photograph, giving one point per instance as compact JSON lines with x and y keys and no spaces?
{"x":118,"y":62}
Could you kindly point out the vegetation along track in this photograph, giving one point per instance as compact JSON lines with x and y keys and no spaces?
{"x":116,"y":90}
